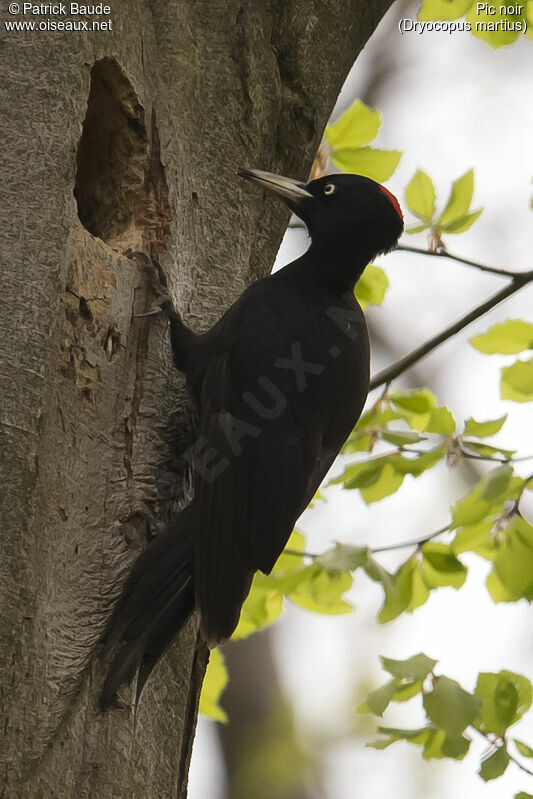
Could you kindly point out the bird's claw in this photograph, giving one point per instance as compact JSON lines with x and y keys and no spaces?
{"x":156,"y":276}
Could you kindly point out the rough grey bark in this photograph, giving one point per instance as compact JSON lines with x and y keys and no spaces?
{"x":174,"y":98}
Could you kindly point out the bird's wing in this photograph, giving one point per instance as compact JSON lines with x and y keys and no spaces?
{"x":256,"y":470}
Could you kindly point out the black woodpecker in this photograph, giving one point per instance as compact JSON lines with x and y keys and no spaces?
{"x":279,"y":382}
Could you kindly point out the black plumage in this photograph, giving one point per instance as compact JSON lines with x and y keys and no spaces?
{"x":279,"y":383}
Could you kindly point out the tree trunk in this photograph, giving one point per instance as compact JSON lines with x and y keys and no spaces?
{"x":126,"y":139}
{"x":263,"y":756}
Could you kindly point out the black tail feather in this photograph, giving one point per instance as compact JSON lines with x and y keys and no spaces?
{"x":173,"y":617}
{"x":156,"y":601}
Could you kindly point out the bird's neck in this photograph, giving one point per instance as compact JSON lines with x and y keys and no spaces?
{"x":335,"y":263}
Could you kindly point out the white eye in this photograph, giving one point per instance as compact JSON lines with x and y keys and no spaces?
{"x":329,"y":188}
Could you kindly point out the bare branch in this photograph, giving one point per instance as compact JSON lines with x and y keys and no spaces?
{"x":413,"y":542}
{"x":518,"y":281}
{"x":494,"y":743}
{"x":493,"y":270}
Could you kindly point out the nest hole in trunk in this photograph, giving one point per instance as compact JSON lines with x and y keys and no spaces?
{"x":121,"y":189}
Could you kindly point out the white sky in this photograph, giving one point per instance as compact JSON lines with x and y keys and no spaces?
{"x":453,"y":103}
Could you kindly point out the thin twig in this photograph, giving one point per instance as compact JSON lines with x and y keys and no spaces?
{"x":396,"y":369}
{"x":503,"y":459}
{"x":516,"y":508}
{"x":520,"y":765}
{"x":494,"y":745}
{"x":413,"y":542}
{"x":375,"y":550}
{"x":299,"y":554}
{"x":493,"y":270}
{"x":471,"y":457}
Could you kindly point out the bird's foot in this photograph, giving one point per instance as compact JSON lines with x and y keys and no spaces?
{"x":180,"y":335}
{"x":157,"y":281}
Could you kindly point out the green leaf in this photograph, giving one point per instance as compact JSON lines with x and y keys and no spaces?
{"x":420,"y":464}
{"x":529,"y":18}
{"x":296,"y":543}
{"x":322,"y":592}
{"x":524,"y":749}
{"x":524,"y":690}
{"x":443,"y":9}
{"x":420,"y":401}
{"x":282,"y":582}
{"x":346,"y":138}
{"x":264,"y":602}
{"x":494,"y":765}
{"x":495,"y":483}
{"x":216,"y":679}
{"x":368,"y":161}
{"x":514,"y":559}
{"x":497,"y":590}
{"x":486,"y":450}
{"x":419,"y":590}
{"x":372,"y":286}
{"x":362,"y":475}
{"x":416,"y":667}
{"x":505,"y":338}
{"x":440,"y":567}
{"x":475,"y":538}
{"x":388,"y":481}
{"x":377,"y":572}
{"x":485,"y":27}
{"x":380,"y":743}
{"x":517,"y":381}
{"x":420,"y":195}
{"x":417,"y":229}
{"x":262,"y":607}
{"x":377,"y":701}
{"x":358,"y":125}
{"x":523,"y":795}
{"x":499,"y":696}
{"x":397,"y":587}
{"x":435,"y":743}
{"x":359,"y":442}
{"x":493,"y":488}
{"x":432,"y":744}
{"x":440,"y":421}
{"x":397,"y":734}
{"x":379,"y":477}
{"x":470,"y":510}
{"x":459,"y":200}
{"x":400,"y":438}
{"x":484,"y":429}
{"x":376,"y":418}
{"x":343,"y":557}
{"x":455,"y":746}
{"x":450,"y":707}
{"x":407,"y":690}
{"x":462,"y":224}
{"x":420,"y":410}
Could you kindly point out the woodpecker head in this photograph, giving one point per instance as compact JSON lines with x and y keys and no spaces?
{"x":340,"y":211}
